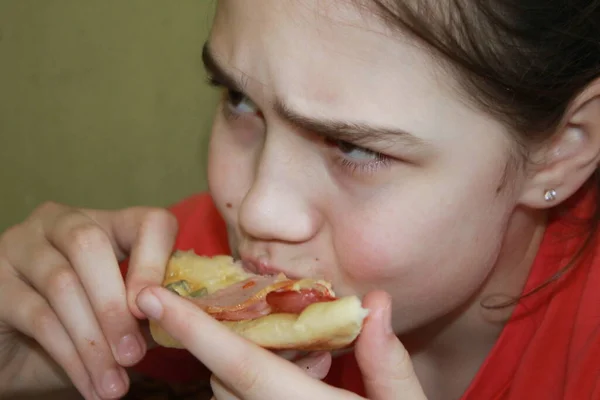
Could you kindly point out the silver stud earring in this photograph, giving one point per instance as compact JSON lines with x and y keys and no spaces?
{"x":550,"y":195}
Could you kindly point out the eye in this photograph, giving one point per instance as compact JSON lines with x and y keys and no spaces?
{"x":356,"y":159}
{"x":238,"y":103}
{"x":356,"y":152}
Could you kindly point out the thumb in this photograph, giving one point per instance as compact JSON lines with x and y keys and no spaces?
{"x":384,"y":362}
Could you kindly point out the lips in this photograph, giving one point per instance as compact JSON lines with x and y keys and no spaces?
{"x":260,"y":266}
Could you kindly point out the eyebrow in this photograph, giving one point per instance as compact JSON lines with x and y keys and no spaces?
{"x":218,"y":73}
{"x":354,"y":132}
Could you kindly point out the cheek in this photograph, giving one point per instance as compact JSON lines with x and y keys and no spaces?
{"x":388,"y":252}
{"x":365,"y":252}
{"x":430,"y":259}
{"x":229,"y":170}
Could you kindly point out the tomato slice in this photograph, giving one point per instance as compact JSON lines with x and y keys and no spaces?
{"x":294,"y":302}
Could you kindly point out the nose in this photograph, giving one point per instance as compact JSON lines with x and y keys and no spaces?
{"x":278,"y":205}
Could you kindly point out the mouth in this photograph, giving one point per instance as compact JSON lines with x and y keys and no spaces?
{"x":260,"y":266}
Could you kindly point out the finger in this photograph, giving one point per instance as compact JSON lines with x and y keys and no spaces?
{"x":150,"y":236}
{"x":244,"y":368}
{"x":290,"y":355}
{"x":147,"y":235}
{"x":45,"y":217}
{"x":385,"y":364}
{"x":34,"y":318}
{"x":220,"y":391}
{"x":52,"y":276}
{"x":90,"y":252}
{"x":152,"y":230}
{"x":316,"y":365}
{"x":145,"y":329}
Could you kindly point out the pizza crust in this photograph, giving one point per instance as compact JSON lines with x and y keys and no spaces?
{"x":321,"y":326}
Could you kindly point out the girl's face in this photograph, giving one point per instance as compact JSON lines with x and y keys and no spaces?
{"x":341,"y":150}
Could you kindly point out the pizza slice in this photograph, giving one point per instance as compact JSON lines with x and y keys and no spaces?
{"x":273,"y":311}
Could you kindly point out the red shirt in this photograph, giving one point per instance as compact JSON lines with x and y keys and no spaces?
{"x":549,"y":349}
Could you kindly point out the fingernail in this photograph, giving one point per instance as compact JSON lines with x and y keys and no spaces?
{"x":150,"y":305}
{"x":316,"y":365}
{"x":313,"y":357}
{"x":129,"y":350}
{"x":112,"y":383}
{"x":289,"y":355}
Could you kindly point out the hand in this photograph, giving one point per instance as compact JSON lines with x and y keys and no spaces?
{"x":242,"y":370}
{"x":65,"y":312}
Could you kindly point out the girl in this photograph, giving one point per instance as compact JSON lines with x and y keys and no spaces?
{"x":435,"y":158}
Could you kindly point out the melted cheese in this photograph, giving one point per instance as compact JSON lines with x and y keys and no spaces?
{"x":219,"y":272}
{"x":308,"y":283}
{"x":212,"y":273}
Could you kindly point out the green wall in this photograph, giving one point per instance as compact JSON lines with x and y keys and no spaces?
{"x":102,"y":103}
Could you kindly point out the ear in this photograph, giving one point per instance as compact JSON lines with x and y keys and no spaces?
{"x":570,"y":157}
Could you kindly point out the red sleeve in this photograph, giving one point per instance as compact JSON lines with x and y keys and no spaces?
{"x":200,"y":229}
{"x":586,"y":382}
{"x":345,"y":374}
{"x":584,"y":358}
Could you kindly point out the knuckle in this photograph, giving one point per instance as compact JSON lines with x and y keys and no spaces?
{"x":87,"y":237}
{"x":61,"y":280}
{"x":47,"y":207}
{"x":159,"y":217}
{"x":43,"y":320}
{"x":112,"y":311}
{"x":403,"y":369}
{"x":245,"y":374}
{"x":39,"y":256}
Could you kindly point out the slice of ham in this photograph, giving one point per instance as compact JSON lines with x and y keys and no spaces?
{"x":259,"y":296}
{"x":294,"y":302}
{"x":242,"y":300}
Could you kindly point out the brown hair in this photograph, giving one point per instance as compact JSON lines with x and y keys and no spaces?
{"x":523,"y":61}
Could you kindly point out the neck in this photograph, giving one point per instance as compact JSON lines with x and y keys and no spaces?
{"x":448,"y":352}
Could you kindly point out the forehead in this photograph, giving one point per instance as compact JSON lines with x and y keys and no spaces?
{"x":322,"y":52}
{"x":337,"y":59}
